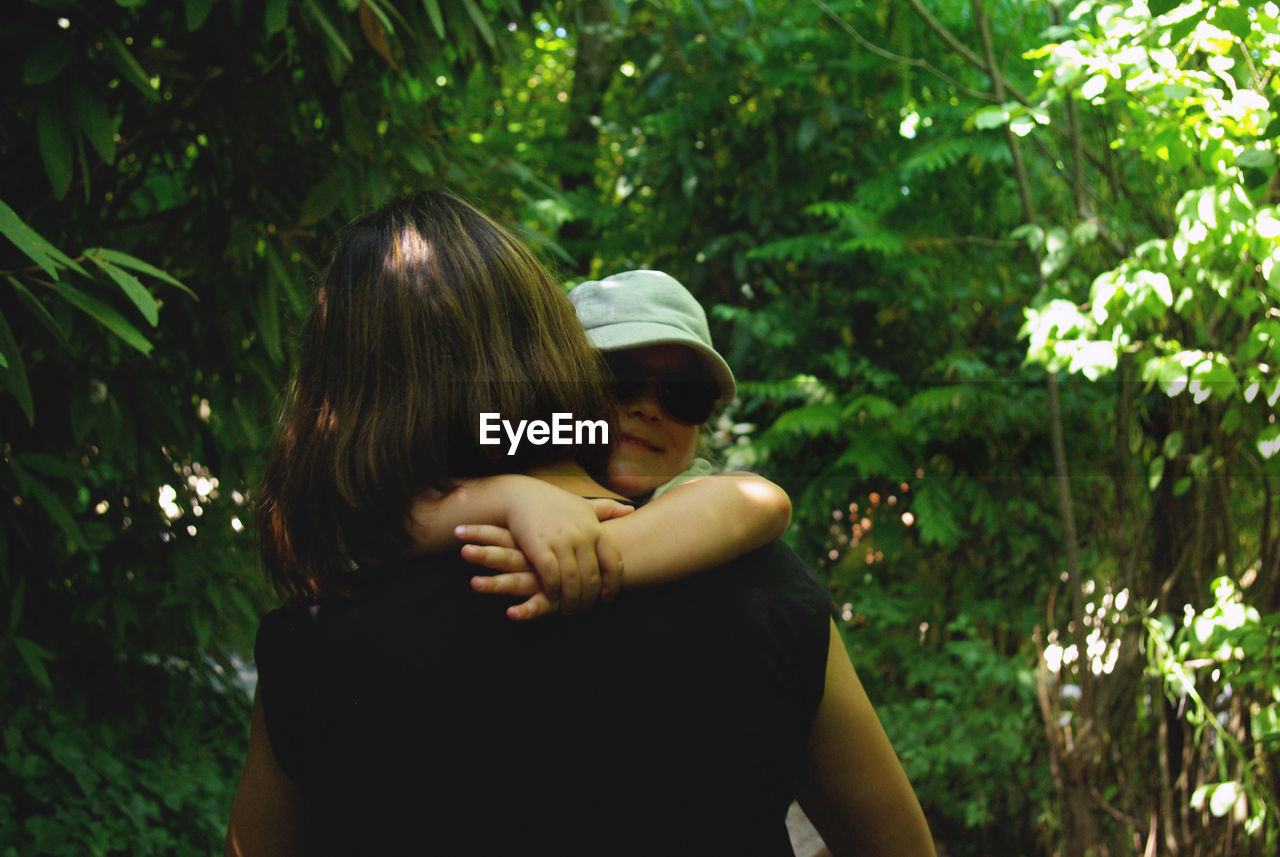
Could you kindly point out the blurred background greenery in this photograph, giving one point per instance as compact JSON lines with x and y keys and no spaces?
{"x":999,"y":278}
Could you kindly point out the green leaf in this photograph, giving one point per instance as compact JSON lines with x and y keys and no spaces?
{"x":41,"y":312}
{"x":104,"y":315}
{"x":481,"y":24}
{"x":130,"y":69}
{"x":31,"y":243}
{"x":54,"y":137}
{"x":990,"y":117}
{"x":132,"y":288}
{"x":437,"y":20}
{"x":15,"y":608}
{"x":1269,"y":440}
{"x":50,"y":465}
{"x":1233,"y":19}
{"x":276,"y":16}
{"x":934,"y":510}
{"x":1155,"y":472}
{"x":1159,"y":7}
{"x":197,"y":12}
{"x":327,"y":28}
{"x":95,"y":122}
{"x":47,"y":60}
{"x":34,"y":656}
{"x":1094,"y":86}
{"x":323,"y":198}
{"x":83,"y":160}
{"x":52,"y":505}
{"x":1169,"y":373}
{"x":1224,"y":796}
{"x":276,"y":268}
{"x":806,"y":133}
{"x":1259,"y":159}
{"x":1266,"y":723}
{"x":124,"y":260}
{"x":269,"y":321}
{"x":15,"y":372}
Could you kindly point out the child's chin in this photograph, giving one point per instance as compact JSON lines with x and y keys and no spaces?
{"x":634,"y":485}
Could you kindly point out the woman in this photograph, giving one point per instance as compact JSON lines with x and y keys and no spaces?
{"x":398,"y":711}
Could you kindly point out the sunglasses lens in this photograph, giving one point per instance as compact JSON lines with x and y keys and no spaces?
{"x":688,"y":401}
{"x":627,"y":388}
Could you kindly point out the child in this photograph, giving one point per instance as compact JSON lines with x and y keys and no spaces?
{"x":667,"y":376}
{"x":668,"y":379}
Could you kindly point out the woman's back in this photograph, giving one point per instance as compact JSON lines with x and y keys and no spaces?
{"x":419,"y":719}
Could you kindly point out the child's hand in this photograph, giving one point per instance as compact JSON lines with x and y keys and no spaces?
{"x":551,"y":552}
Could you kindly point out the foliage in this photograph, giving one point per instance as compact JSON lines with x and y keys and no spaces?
{"x":92,"y":773}
{"x":999,"y":284}
{"x":1234,"y":646}
{"x":172,"y":171}
{"x":1186,"y":310}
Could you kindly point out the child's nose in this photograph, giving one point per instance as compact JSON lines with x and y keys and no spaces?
{"x":645,"y":404}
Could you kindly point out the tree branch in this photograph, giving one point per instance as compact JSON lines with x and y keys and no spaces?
{"x":898,"y":58}
{"x":998,"y":81}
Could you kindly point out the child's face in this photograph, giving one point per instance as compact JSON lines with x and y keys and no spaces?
{"x":651,"y":446}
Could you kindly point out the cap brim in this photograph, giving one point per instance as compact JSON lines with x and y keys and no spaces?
{"x":640,"y":334}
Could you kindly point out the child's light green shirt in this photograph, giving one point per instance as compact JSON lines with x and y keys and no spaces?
{"x":697,"y":469}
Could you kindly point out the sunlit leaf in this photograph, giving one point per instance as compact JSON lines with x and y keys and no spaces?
{"x":1155,"y":472}
{"x":990,"y":117}
{"x":1223,"y":797}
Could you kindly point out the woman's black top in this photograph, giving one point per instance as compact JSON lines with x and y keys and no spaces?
{"x":418,"y":719}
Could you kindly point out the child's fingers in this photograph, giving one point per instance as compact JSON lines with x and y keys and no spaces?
{"x":484,"y":534}
{"x":546,"y":564}
{"x":570,"y":581}
{"x":520,"y":583}
{"x":609,"y":559}
{"x":508,"y":560}
{"x":606,"y":508}
{"x":537,"y":606}
{"x":588,"y":576}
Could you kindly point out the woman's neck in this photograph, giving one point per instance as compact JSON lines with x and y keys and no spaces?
{"x":571,"y":476}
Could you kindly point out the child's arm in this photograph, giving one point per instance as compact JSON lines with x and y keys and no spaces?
{"x":574,"y":559}
{"x":691,"y":528}
{"x":699,"y":525}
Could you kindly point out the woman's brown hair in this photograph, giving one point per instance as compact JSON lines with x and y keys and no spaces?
{"x":427,"y":315}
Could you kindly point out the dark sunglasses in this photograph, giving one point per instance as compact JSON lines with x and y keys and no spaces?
{"x":685,"y":400}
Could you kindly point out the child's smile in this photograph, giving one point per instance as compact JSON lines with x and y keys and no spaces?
{"x":651,"y":446}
